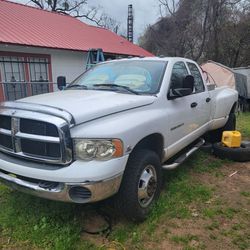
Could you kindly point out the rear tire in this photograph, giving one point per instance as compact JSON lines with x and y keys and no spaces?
{"x":141,"y":185}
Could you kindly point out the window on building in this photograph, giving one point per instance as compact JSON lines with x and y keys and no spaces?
{"x":38,"y":69}
{"x":12,"y":68}
{"x":39,"y":75}
{"x":23,"y":75}
{"x":13,"y":77}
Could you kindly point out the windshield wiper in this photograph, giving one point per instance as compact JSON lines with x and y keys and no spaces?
{"x":111,"y":85}
{"x":77,"y":86}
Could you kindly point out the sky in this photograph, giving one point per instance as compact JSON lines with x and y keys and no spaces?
{"x":145,"y":12}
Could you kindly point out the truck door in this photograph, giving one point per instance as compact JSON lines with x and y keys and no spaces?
{"x":200,"y":99}
{"x":180,"y":116}
{"x":188,"y":115}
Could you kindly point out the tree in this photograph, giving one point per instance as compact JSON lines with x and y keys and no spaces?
{"x":202,"y":29}
{"x":111,"y":24}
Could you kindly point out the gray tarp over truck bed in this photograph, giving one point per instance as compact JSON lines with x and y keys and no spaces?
{"x":246,"y":72}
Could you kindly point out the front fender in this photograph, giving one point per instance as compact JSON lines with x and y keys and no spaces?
{"x":130,"y":126}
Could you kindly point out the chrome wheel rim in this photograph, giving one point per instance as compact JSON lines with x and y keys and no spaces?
{"x":147,"y":186}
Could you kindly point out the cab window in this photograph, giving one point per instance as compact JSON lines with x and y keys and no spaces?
{"x":179,"y":72}
{"x":198,"y":82}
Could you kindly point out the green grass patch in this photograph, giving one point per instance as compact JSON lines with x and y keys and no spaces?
{"x":202,"y":162}
{"x":187,"y":241}
{"x":184,"y":239}
{"x":214,"y":225}
{"x":241,"y":241}
{"x":245,"y":193}
{"x":43,"y":223}
{"x":243,"y":124}
{"x":180,"y":192}
{"x":213,"y":212}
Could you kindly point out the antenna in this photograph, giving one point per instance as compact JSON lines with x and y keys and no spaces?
{"x":130,"y":23}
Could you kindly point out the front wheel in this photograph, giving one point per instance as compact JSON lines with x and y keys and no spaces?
{"x":141,"y":185}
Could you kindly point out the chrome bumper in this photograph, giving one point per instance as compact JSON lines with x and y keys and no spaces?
{"x":85,"y":192}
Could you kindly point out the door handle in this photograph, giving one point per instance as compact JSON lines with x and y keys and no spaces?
{"x":193,"y":104}
{"x":208,"y":99}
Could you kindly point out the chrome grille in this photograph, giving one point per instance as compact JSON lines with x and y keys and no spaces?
{"x":35,"y":136}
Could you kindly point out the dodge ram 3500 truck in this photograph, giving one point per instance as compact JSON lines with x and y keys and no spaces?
{"x":111,"y":132}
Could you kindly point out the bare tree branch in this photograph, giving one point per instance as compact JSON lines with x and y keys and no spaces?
{"x":76,"y":8}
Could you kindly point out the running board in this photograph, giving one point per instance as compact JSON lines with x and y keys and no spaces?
{"x":184,"y":156}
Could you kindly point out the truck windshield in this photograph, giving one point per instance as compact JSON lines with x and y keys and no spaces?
{"x":138,"y":77}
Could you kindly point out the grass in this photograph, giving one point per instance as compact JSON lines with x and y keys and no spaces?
{"x":39,"y":222}
{"x":243,"y":124}
{"x":221,"y":212}
{"x":28,"y":222}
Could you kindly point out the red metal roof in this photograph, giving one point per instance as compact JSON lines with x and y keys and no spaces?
{"x":25,"y":25}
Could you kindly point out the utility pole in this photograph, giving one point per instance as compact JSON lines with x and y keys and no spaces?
{"x":130,"y":24}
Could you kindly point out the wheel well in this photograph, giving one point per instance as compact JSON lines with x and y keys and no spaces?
{"x":233,"y":109}
{"x":153,"y":142}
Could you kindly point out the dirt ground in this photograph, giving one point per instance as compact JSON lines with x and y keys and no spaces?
{"x":218,"y":235}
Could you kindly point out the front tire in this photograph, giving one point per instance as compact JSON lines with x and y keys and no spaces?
{"x":141,"y":185}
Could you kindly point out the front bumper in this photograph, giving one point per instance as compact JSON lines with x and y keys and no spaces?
{"x":80,"y":182}
{"x":68,"y":192}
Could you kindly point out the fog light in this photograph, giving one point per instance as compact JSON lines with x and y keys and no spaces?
{"x":79,"y":194}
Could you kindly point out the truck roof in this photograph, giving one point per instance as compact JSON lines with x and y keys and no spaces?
{"x":159,"y":58}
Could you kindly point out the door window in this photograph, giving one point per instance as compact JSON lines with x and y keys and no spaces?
{"x":179,"y":72}
{"x":198,"y":82}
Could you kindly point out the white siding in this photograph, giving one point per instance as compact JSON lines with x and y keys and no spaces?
{"x":67,"y":63}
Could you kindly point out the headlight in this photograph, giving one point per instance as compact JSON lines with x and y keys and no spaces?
{"x":87,"y":149}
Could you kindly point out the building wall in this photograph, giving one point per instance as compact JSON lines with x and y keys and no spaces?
{"x":63,"y":62}
{"x":67,"y":63}
{"x":59,"y":63}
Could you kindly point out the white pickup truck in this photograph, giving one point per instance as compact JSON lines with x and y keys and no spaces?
{"x":112,"y":132}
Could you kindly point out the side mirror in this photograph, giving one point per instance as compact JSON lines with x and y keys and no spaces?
{"x":61,"y":82}
{"x":186,"y":89}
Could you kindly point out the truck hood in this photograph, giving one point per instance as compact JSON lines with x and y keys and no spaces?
{"x":86,"y":105}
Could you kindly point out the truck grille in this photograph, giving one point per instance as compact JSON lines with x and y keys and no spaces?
{"x":43,"y":137}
